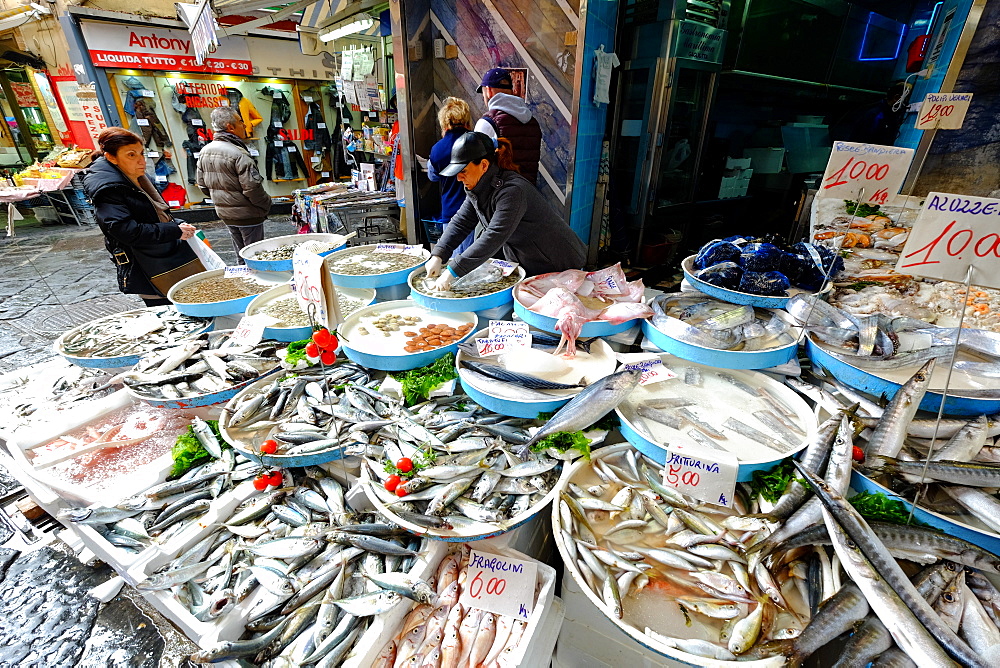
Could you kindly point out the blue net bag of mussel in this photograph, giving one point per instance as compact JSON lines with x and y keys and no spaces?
{"x":723,"y":275}
{"x":715,"y":252}
{"x":761,"y":257}
{"x":802,"y":269}
{"x":770,"y":283}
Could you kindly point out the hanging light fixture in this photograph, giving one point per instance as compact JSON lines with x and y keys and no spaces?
{"x":355,"y":24}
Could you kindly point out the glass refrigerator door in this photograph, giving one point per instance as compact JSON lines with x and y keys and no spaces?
{"x":682,"y":136}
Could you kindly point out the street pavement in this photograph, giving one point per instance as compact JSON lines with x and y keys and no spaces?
{"x":52,"y":279}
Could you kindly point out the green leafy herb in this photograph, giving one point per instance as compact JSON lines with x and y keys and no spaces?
{"x":418,"y":383}
{"x":563,"y":441}
{"x":296,"y":352}
{"x":860,"y":285}
{"x":861,"y":210}
{"x":771,"y":484}
{"x":880,"y":508}
{"x":421,"y":460}
{"x":188,"y":451}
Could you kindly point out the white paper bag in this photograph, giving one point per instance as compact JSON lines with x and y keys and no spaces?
{"x":209,"y":258}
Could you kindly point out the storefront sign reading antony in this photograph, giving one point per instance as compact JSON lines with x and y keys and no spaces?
{"x":135,"y":47}
{"x":952,"y":233}
{"x":697,"y":41}
{"x":879,"y":170}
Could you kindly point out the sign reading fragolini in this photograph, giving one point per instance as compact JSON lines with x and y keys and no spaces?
{"x":952,"y":233}
{"x":880,"y":170}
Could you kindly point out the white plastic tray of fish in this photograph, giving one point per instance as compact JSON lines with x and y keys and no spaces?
{"x":478,"y":637}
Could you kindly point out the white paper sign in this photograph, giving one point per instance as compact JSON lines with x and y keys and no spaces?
{"x":292,"y":149}
{"x":174,"y":203}
{"x":160,"y":178}
{"x":707,"y":476}
{"x":500,"y":584}
{"x":325,"y":175}
{"x":250,"y":329}
{"x":943,"y":111}
{"x":321,"y":126}
{"x":232,"y":272}
{"x":415,"y":251}
{"x":196,"y":154}
{"x":147,"y":93}
{"x":952,"y":233}
{"x":254,"y":152}
{"x":516,"y":331}
{"x":652,"y":367}
{"x":152,"y":154}
{"x":308,"y":271}
{"x":507,"y":268}
{"x":279,"y":143}
{"x":316,"y":158}
{"x":197,"y":121}
{"x":307,"y":98}
{"x":277,"y":95}
{"x":880,"y":170}
{"x":142,"y":121}
{"x":277,"y":124}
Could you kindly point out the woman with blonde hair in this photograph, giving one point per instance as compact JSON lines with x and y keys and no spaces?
{"x":455,"y":119}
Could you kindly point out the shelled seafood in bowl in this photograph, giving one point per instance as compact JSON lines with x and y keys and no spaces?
{"x":285,"y":307}
{"x":484,"y":280}
{"x":578,"y":303}
{"x":937,"y":302}
{"x":707,"y":585}
{"x":218,"y":288}
{"x":285,"y":252}
{"x":130,"y":334}
{"x":765,"y":267}
{"x":370,"y":260}
{"x":205,"y":366}
{"x":700,"y":320}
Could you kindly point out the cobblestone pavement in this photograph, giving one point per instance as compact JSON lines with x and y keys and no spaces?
{"x":55,"y":278}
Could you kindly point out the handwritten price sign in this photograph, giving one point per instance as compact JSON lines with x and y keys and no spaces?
{"x":880,"y":170}
{"x":506,"y":268}
{"x":652,"y":367}
{"x":500,"y":584}
{"x":416,"y":251}
{"x":943,"y":111}
{"x":308,"y":269}
{"x":504,"y":335}
{"x":706,"y":477}
{"x":952,"y":233}
{"x":234,"y":272}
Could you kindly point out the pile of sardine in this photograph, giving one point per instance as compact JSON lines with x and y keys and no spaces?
{"x":446,"y":633}
{"x":307,"y":571}
{"x":703,"y":321}
{"x":166,"y":509}
{"x":764,"y":570}
{"x":132,"y":333}
{"x":201,"y":366}
{"x":879,"y":341}
{"x":466,"y":472}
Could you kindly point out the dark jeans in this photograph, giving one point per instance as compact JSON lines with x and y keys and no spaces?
{"x":156,"y":302}
{"x":244,"y":235}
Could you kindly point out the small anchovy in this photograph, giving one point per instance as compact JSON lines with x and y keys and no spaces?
{"x":368,"y":605}
{"x":701,"y":424}
{"x":744,"y":429}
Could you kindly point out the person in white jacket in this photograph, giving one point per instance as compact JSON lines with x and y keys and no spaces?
{"x":509,"y":116}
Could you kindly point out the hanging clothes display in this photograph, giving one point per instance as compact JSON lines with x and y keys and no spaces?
{"x":138,"y":103}
{"x":251,"y":117}
{"x":282,"y":158}
{"x":341,"y":117}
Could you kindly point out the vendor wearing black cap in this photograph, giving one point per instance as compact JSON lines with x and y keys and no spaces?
{"x":516,"y":217}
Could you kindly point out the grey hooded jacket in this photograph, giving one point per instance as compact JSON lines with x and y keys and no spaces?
{"x":230,"y":174}
{"x":518,"y":220}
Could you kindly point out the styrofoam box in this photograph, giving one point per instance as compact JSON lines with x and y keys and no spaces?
{"x":531,"y":651}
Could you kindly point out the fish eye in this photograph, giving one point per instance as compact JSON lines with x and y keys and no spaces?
{"x":949,"y":598}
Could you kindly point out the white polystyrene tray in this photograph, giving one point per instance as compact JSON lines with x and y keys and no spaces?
{"x":387,"y":626}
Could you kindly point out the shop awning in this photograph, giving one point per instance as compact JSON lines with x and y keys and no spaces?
{"x":11,"y":19}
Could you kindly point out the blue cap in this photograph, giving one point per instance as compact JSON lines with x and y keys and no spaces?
{"x":498,"y":77}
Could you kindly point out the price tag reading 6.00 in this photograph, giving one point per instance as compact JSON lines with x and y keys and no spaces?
{"x":879,"y":170}
{"x":500,"y":584}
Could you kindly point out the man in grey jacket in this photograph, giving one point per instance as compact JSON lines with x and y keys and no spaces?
{"x":228,"y":174}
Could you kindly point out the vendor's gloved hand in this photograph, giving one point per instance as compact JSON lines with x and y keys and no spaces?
{"x":443,"y":284}
{"x":433,"y":266}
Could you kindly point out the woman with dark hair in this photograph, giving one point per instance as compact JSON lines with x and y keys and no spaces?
{"x":145,"y":242}
{"x":517,"y":218}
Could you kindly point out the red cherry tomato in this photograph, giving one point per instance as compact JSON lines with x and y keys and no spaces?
{"x":401,"y":492}
{"x":260,"y":483}
{"x":269,"y":447}
{"x":858,"y":454}
{"x":333,"y":342}
{"x":275,"y":478}
{"x":328,"y":357}
{"x":392,"y":482}
{"x":321,"y":338}
{"x":312,"y":350}
{"x":405,"y":464}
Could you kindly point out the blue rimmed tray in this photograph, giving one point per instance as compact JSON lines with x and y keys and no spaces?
{"x":734,"y":296}
{"x":289,"y":334}
{"x":388,"y":279}
{"x":248,"y":252}
{"x":548,"y":324}
{"x":462,"y":304}
{"x":211,"y":309}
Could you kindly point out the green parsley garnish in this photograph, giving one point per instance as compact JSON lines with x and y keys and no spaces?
{"x":418,"y":383}
{"x":563,"y":441}
{"x":862,"y":210}
{"x":771,"y":484}
{"x":296,"y":352}
{"x":880,"y":508}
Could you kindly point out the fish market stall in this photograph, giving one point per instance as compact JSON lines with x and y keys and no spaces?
{"x":384,"y":267}
{"x":275,"y":254}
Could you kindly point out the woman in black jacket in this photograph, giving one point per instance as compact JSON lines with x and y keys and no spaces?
{"x":145,"y":242}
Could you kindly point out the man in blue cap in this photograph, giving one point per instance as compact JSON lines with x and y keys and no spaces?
{"x":508,"y":116}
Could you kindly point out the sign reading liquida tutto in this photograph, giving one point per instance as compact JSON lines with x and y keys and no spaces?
{"x":135,"y":47}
